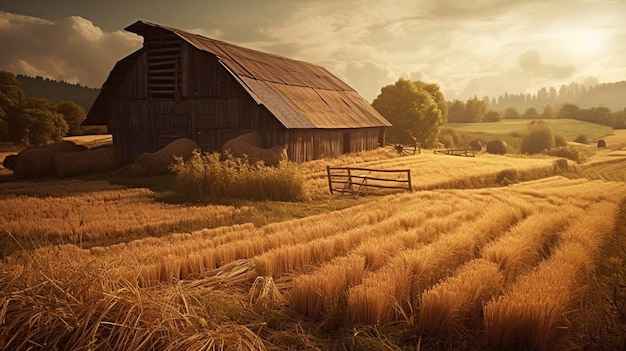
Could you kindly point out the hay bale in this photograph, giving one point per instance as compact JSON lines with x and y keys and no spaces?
{"x":94,"y":160}
{"x":601,"y":143}
{"x":497,"y":147}
{"x":158,"y":162}
{"x":476,"y":145}
{"x":9,"y":162}
{"x":249,"y":145}
{"x":38,"y":162}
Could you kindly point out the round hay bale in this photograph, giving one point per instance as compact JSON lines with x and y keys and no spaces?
{"x":94,"y":160}
{"x":497,"y":147}
{"x":9,"y":162}
{"x":476,"y":145}
{"x":39,"y":161}
{"x":158,"y":162}
{"x":601,"y":143}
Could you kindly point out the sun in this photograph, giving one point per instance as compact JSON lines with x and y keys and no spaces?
{"x":587,"y":42}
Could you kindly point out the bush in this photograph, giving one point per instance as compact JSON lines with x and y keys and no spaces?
{"x":539,"y":138}
{"x":448,"y":137}
{"x":569,"y":152}
{"x":205,"y":176}
{"x":560,"y":140}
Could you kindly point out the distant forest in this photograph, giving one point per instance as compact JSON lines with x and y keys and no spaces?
{"x":610,"y":95}
{"x":52,"y":90}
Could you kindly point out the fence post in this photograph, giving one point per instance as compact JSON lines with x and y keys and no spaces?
{"x":330,"y":182}
{"x":408,"y":174}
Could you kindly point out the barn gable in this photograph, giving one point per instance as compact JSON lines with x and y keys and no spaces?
{"x":185,"y":85}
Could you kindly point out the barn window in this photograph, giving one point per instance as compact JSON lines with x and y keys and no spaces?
{"x":164,"y":67}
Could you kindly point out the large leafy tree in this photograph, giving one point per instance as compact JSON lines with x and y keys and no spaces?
{"x":33,"y":121}
{"x":475,"y":109}
{"x":415,"y":110}
{"x":73,"y":114}
{"x":456,"y":111}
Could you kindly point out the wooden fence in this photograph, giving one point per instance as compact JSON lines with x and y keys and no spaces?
{"x":456,"y":152}
{"x":360,"y":181}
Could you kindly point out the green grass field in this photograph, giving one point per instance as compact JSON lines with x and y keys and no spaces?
{"x":569,"y":128}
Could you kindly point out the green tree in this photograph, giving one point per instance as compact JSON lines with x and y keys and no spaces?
{"x":73,"y":114}
{"x":11,"y":98}
{"x":37,"y":123}
{"x":548,"y":112}
{"x":475,"y":109}
{"x":415,"y":109}
{"x":511,"y":113}
{"x":569,"y":111}
{"x":456,"y":110}
{"x":492,"y":116}
{"x":530,"y":113}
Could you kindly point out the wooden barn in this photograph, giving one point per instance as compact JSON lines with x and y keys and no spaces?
{"x":181,"y":84}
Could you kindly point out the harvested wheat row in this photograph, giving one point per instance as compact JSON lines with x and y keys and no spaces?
{"x":533,"y":309}
{"x":323,"y":293}
{"x":411,"y":271}
{"x":457,"y":302}
{"x":529,"y":241}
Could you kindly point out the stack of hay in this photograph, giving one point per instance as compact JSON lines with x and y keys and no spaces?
{"x":497,"y":147}
{"x":94,"y":160}
{"x":249,"y":145}
{"x":158,"y":162}
{"x":38,"y":162}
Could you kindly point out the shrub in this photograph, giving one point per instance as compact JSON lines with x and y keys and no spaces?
{"x":569,"y":152}
{"x":560,"y":140}
{"x":582,"y":139}
{"x":539,"y":138}
{"x":448,"y":137}
{"x":205,"y":176}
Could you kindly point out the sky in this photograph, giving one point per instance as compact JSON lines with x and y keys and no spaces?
{"x":469,"y":48}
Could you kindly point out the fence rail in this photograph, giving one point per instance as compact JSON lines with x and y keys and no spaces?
{"x":456,"y":152}
{"x":359,"y":181}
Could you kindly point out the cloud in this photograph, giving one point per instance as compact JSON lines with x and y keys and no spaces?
{"x":530,"y":62}
{"x":73,"y":49}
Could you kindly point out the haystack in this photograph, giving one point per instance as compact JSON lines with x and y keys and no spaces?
{"x":497,"y":147}
{"x":38,"y":162}
{"x":158,"y":162}
{"x":476,"y":145}
{"x":94,"y":160}
{"x":250,"y":145}
{"x":9,"y":162}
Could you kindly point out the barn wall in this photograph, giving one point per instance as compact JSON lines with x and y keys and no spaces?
{"x":312,"y":144}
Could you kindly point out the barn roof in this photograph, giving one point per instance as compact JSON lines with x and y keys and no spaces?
{"x":299,"y":94}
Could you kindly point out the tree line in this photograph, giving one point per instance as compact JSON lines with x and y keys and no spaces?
{"x":476,"y":110}
{"x":29,"y":120}
{"x":58,"y":91}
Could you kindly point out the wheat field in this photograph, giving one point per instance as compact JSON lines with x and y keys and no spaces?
{"x":459,"y":263}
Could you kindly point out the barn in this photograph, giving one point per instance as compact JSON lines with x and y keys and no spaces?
{"x":184,"y":85}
